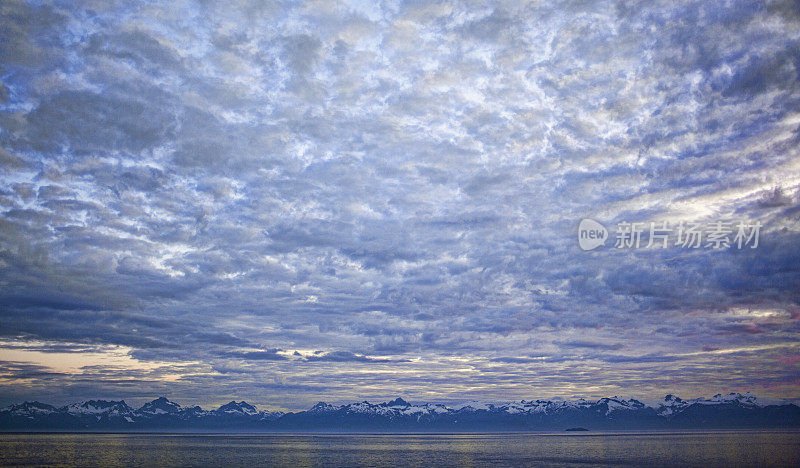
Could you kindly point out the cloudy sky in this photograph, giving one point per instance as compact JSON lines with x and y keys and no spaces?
{"x":288,"y":202}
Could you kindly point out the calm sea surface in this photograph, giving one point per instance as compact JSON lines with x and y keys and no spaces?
{"x":757,"y":448}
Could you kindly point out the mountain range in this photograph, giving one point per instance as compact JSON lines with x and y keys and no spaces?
{"x":731,"y":411}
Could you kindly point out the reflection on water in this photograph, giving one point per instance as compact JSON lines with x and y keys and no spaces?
{"x":753,"y":448}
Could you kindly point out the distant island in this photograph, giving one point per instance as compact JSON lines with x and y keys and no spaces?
{"x":731,"y":411}
{"x":576,"y":429}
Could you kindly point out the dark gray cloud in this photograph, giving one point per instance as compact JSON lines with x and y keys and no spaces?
{"x":268,"y":355}
{"x":590,"y":345}
{"x":20,"y":371}
{"x":342,"y":356}
{"x":215,"y":192}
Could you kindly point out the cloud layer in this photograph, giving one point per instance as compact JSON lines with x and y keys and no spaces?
{"x":288,"y":201}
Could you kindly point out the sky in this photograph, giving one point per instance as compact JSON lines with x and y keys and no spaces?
{"x":288,"y":202}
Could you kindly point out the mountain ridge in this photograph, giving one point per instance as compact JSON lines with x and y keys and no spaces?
{"x":733,"y":410}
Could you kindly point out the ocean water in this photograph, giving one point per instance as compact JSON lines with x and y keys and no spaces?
{"x":742,"y":448}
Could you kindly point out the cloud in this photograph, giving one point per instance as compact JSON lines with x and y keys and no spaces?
{"x":342,"y":356}
{"x":396,"y":184}
{"x":83,"y":122}
{"x":16,"y":371}
{"x":590,"y":345}
{"x":268,"y":355}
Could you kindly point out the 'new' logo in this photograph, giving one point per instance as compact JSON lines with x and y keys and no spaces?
{"x":591,"y":234}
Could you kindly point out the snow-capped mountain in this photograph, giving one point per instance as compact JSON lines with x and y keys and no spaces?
{"x":672,"y":404}
{"x":160,"y":406}
{"x":733,"y":410}
{"x":100,"y":408}
{"x":237,"y":409}
{"x":30,"y":409}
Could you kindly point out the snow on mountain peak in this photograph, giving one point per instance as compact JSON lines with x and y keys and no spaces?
{"x":160,"y":406}
{"x":396,"y":402}
{"x":237,"y":408}
{"x":747,"y":399}
{"x":322,"y":406}
{"x":673,"y":404}
{"x":100,"y":407}
{"x":30,"y":409}
{"x":617,"y":404}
